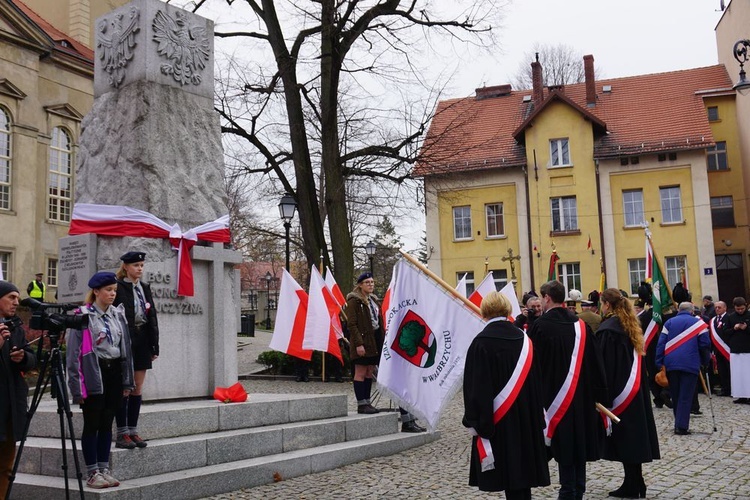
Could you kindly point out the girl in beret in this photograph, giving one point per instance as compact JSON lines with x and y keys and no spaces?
{"x":135,"y":296}
{"x":100,"y":374}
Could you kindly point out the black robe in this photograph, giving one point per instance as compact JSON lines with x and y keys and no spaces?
{"x":517,"y":439}
{"x":580,"y":433}
{"x":634,"y":439}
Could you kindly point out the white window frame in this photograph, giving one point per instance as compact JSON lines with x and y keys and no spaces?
{"x":670,"y":198}
{"x":559,"y":152}
{"x":6,"y":259}
{"x":722,"y":203}
{"x":564,"y":210}
{"x":60,"y":179}
{"x":632,"y":207}
{"x":672,"y":266}
{"x":718,"y":156}
{"x":569,"y":274}
{"x":462,"y":217}
{"x":495,"y":219}
{"x":52,"y":272}
{"x":636,"y":273}
{"x":6,"y":159}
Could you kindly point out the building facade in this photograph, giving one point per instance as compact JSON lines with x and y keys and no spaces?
{"x":579,"y":171}
{"x":46,"y":87}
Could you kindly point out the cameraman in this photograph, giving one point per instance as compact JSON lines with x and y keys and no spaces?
{"x":15,"y":357}
{"x":529,"y":314}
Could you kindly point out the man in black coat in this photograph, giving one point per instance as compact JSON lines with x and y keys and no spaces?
{"x":16,"y":356}
{"x":575,"y":430}
{"x":737,"y":333}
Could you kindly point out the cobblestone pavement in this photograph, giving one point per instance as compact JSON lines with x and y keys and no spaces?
{"x":705,"y":464}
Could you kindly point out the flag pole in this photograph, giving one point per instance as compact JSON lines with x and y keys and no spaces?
{"x":661,"y":271}
{"x":441,"y":282}
{"x":322,"y":354}
{"x":603,"y":409}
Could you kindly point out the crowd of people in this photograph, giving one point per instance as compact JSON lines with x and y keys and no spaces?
{"x":554,"y":376}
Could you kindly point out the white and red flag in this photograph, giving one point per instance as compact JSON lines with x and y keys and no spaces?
{"x":334,"y":288}
{"x":322,"y":324}
{"x":289,"y":331}
{"x":485,"y":287}
{"x":118,"y":220}
{"x":461,"y":286}
{"x":515,"y":307}
{"x":429,"y":331}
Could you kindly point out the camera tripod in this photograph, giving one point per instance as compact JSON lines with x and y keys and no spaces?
{"x":53,"y":360}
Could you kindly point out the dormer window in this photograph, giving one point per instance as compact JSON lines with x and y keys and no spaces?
{"x":559,"y":152}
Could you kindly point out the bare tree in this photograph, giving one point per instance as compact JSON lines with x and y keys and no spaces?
{"x":329,"y":101}
{"x":561,"y":65}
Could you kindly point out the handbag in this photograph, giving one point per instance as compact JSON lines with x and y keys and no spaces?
{"x":661,"y":377}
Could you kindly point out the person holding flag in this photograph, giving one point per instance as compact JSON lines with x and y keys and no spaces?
{"x":503,"y":406}
{"x":573,"y":380}
{"x":633,"y":441}
{"x":683,"y":347}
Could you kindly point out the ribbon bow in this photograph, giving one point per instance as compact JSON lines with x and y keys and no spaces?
{"x":117,"y":220}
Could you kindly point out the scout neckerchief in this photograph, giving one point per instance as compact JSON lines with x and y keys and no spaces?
{"x":554,"y":414}
{"x":719,"y":343}
{"x":505,"y":399}
{"x":693,"y":331}
{"x":626,"y":396}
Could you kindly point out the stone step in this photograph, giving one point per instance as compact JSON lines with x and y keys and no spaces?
{"x":210,"y":480}
{"x":42,"y":456}
{"x":173,"y":419}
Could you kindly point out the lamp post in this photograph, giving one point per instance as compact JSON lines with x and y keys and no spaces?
{"x":740,"y":52}
{"x":370,"y":251}
{"x":287,"y":207}
{"x":268,"y":279}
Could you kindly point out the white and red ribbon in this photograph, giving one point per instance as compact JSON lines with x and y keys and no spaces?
{"x":626,"y":396}
{"x":650,"y":333}
{"x":554,"y":414}
{"x":117,"y":220}
{"x":693,"y":331}
{"x":719,"y":343}
{"x":505,"y":399}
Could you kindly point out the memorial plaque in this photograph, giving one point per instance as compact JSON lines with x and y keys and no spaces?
{"x":77,"y":263}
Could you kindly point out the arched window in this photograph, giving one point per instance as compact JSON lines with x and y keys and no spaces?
{"x":5,"y":160}
{"x":60,"y":175}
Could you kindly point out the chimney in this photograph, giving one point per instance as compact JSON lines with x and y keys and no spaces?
{"x":588,"y":72}
{"x":537,"y":90}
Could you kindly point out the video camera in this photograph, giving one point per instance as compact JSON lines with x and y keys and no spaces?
{"x":54,"y":318}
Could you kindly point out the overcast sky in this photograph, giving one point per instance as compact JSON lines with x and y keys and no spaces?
{"x":626,"y":37}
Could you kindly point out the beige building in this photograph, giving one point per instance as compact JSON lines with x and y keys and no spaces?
{"x":46,"y":87}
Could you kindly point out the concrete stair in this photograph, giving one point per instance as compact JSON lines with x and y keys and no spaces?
{"x":203,"y":448}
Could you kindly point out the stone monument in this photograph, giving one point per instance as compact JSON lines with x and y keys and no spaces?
{"x":152,"y":142}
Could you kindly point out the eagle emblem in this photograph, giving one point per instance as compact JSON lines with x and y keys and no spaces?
{"x":186,"y":47}
{"x":115,"y":41}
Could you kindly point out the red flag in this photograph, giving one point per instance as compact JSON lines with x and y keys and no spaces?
{"x":334,"y":288}
{"x":486,"y":286}
{"x":588,"y":247}
{"x":289,"y":331}
{"x":322,"y":324}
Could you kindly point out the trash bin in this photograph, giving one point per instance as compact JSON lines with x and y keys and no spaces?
{"x":247,"y":325}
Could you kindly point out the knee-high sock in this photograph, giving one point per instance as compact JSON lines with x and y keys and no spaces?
{"x":134,"y":410}
{"x":359,"y":392}
{"x":368,"y":388}
{"x":121,"y":417}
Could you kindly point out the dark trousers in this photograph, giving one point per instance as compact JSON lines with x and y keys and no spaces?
{"x":7,"y":457}
{"x":98,"y":414}
{"x":524,"y":494}
{"x":682,"y":386}
{"x":572,"y":481}
{"x":725,"y":379}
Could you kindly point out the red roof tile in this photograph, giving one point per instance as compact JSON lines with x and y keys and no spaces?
{"x":642,"y":114}
{"x":63,"y":42}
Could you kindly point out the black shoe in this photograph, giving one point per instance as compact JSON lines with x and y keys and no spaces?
{"x":658,"y":403}
{"x":338,"y":379}
{"x":682,"y":432}
{"x":740,"y":401}
{"x":668,"y":403}
{"x":411,"y":427}
{"x":696,"y":412}
{"x":367,"y":409}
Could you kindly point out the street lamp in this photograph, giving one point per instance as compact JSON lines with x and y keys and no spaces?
{"x":287,"y":207}
{"x":740,"y":52}
{"x":370,"y":251}
{"x":268,"y":279}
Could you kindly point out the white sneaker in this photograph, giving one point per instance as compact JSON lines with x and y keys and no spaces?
{"x":97,"y":481}
{"x":107,"y":475}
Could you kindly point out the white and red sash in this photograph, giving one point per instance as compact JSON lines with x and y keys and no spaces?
{"x":718,"y":342}
{"x":650,"y":333}
{"x":556,"y":411}
{"x":693,"y":331}
{"x":117,"y":220}
{"x":628,"y":393}
{"x":505,"y":399}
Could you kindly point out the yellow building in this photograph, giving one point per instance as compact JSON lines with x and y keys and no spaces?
{"x":581,"y":169}
{"x":46,"y":87}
